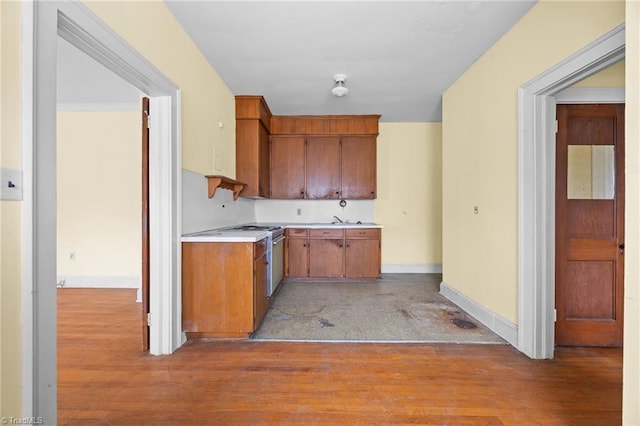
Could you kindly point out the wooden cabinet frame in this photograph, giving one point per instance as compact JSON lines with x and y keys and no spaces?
{"x":223,"y":288}
{"x":338,"y":160}
{"x":333,"y":253}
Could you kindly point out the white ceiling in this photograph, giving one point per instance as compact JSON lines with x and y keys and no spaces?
{"x":399,"y":57}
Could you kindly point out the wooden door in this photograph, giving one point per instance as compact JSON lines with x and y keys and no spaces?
{"x":287,"y":167}
{"x":326,"y":258}
{"x":297,"y":257}
{"x":362,"y":253}
{"x":362,"y":258}
{"x":358,"y":167}
{"x":145,"y":224}
{"x":323,"y":167}
{"x":589,"y":225}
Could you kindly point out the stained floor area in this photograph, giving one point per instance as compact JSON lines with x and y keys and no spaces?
{"x":394,"y":308}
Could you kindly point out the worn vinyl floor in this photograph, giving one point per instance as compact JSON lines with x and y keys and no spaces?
{"x":395,"y":308}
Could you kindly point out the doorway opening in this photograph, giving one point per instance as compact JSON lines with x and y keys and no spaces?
{"x":536,"y":199}
{"x":43,"y":22}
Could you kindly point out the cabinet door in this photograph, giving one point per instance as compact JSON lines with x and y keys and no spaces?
{"x":326,"y":258}
{"x":358,"y":167}
{"x":263,"y":162}
{"x":362,"y":258}
{"x":260,"y":290}
{"x":287,"y":167}
{"x":297,"y":257}
{"x":247,"y":155}
{"x":323,"y":167}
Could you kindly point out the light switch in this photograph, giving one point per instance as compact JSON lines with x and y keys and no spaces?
{"x":11,"y":181}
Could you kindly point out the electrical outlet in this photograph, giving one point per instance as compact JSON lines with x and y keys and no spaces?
{"x":475,"y":209}
{"x":299,"y":212}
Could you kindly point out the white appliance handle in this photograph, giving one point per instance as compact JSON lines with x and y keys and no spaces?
{"x":278,"y":240}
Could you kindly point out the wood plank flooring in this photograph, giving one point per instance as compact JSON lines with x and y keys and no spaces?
{"x":105,"y":379}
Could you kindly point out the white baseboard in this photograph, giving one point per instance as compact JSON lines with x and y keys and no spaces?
{"x":499,"y":325}
{"x":416,"y":268}
{"x":97,"y":281}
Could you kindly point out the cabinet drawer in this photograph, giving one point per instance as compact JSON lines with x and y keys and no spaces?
{"x":373,"y":233}
{"x":259,"y":248}
{"x":326,"y":233}
{"x":296,"y":232}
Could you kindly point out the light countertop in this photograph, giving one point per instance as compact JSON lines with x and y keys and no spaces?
{"x":226,"y":235}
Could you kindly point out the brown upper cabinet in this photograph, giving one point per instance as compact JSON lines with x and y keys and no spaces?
{"x":323,"y":167}
{"x":338,"y":159}
{"x":306,"y":156}
{"x":287,"y":167}
{"x":358,"y":167}
{"x":253,"y":119}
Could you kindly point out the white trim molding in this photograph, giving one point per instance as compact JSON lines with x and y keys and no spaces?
{"x":494,"y":322}
{"x":536,"y":188}
{"x":591,"y":95}
{"x":98,"y":281}
{"x":412,"y":268}
{"x":43,"y":22}
{"x":78,"y":107}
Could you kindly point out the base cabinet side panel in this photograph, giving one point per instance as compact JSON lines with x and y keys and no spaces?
{"x":217,"y":287}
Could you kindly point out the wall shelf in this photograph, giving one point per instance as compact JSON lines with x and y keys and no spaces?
{"x":224,"y":182}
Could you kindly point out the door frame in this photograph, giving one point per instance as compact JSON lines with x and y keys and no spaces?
{"x":536,"y":188}
{"x":43,"y":22}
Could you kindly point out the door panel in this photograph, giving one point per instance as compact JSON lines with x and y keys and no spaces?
{"x":323,"y":168}
{"x":287,"y":167}
{"x":326,"y":258}
{"x":358,"y":167}
{"x":297,"y":257}
{"x":589,"y":225}
{"x":145,"y":223}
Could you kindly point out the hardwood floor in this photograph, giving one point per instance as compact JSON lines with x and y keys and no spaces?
{"x":104,"y":378}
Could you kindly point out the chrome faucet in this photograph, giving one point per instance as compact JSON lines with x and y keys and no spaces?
{"x":338,"y":219}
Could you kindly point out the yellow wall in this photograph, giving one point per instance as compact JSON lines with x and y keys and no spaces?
{"x":10,"y":213}
{"x":151,"y":29}
{"x":99,"y":193}
{"x":480,"y":146}
{"x":612,"y":76}
{"x":154,"y":32}
{"x":631,"y":361}
{"x":410,"y":193}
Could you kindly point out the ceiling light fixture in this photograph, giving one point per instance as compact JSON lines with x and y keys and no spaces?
{"x":339,"y":90}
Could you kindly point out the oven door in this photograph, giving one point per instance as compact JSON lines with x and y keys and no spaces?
{"x":277,"y":264}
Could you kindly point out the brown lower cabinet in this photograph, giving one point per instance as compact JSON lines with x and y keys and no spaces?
{"x":224,"y":288}
{"x":333,"y":253}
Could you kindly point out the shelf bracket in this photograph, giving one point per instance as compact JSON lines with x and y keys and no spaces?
{"x":215,"y":181}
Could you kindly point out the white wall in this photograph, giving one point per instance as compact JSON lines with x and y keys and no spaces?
{"x":314,"y":211}
{"x":199,"y":212}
